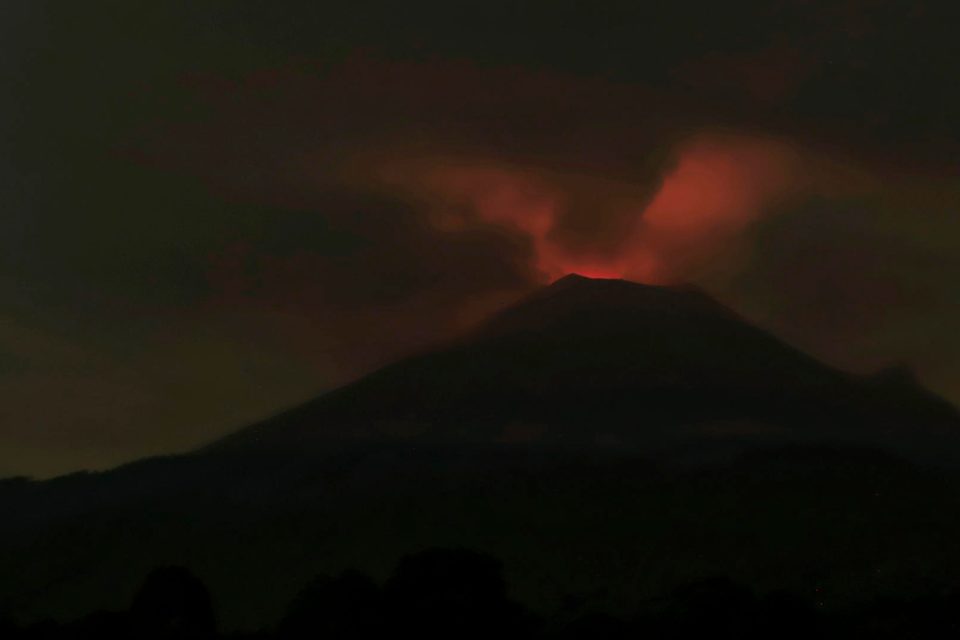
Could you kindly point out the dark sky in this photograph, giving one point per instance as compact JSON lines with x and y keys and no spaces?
{"x":215,"y":209}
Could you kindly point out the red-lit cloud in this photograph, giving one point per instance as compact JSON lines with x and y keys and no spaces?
{"x":715,"y":187}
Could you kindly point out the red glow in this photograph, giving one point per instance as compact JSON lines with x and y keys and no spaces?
{"x":717,"y":186}
{"x":603,"y":274}
{"x":716,"y":189}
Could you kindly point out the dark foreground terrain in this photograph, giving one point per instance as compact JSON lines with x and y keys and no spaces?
{"x":444,"y":593}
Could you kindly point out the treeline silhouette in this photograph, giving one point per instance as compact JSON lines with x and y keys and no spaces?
{"x":458,"y":593}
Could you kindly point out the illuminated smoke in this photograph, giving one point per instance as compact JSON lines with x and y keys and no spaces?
{"x":717,"y":187}
{"x":706,"y":198}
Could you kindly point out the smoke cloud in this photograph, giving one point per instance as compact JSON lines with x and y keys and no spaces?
{"x":661,"y":232}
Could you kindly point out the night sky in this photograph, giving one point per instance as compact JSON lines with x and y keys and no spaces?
{"x":213,"y":210}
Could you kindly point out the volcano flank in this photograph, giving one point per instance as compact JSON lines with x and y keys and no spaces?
{"x":591,"y":361}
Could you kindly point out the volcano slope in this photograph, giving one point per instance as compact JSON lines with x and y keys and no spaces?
{"x":588,"y":362}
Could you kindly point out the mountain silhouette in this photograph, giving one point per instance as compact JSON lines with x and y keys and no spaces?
{"x":599,"y":436}
{"x":594,"y":361}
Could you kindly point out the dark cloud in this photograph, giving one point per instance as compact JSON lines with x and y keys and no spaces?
{"x":862,"y":282}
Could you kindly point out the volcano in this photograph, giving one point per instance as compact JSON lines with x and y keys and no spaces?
{"x":598,"y":436}
{"x":600,"y":361}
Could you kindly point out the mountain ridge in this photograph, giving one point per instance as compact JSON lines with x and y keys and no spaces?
{"x":635,"y":359}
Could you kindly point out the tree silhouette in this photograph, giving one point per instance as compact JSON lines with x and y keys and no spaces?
{"x":103,"y":625}
{"x":445,"y":593}
{"x":787,"y":616}
{"x":457,"y":593}
{"x":713,"y":606}
{"x":8,"y":629}
{"x":596,"y":625}
{"x":173,"y":603}
{"x":347,"y":606}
